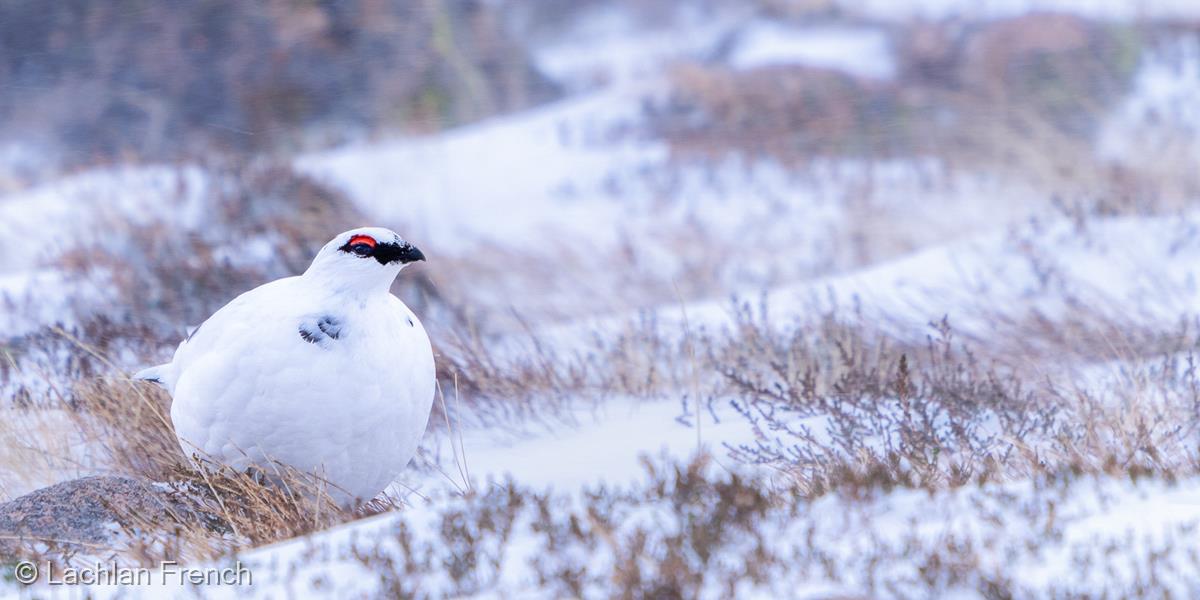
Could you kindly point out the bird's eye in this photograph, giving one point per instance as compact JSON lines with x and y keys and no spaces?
{"x":360,"y":245}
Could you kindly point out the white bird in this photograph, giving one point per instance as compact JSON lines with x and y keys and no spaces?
{"x":326,"y":372}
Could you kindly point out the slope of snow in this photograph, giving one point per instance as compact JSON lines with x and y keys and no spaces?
{"x":40,"y":223}
{"x":1098,"y":9}
{"x":503,"y":181}
{"x":1142,"y":270}
{"x":861,"y":52}
{"x":607,"y":47}
{"x":31,"y":299}
{"x":1071,"y":536}
{"x":606,"y":445}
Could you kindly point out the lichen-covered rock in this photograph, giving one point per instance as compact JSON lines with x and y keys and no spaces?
{"x":91,"y":514}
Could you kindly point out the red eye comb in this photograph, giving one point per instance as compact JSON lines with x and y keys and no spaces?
{"x":362,"y":239}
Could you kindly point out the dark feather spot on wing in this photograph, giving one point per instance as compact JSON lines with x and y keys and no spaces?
{"x":410,"y":322}
{"x":330,"y":327}
{"x":320,"y":330}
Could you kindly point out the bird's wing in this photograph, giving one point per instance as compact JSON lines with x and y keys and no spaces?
{"x":237,"y":320}
{"x":155,"y":374}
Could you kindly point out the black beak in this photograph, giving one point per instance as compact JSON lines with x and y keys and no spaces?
{"x":410,"y":253}
{"x":403,"y":253}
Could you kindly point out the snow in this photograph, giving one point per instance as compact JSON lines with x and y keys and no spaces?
{"x":1028,"y":534}
{"x":40,"y":223}
{"x":48,"y":439}
{"x":857,"y":51}
{"x":1098,"y":9}
{"x":500,"y":181}
{"x":607,"y":49}
{"x":1160,"y":119}
{"x":606,"y":445}
{"x":1145,"y":270}
{"x":35,"y":300}
{"x":1135,"y":262}
{"x":21,"y":162}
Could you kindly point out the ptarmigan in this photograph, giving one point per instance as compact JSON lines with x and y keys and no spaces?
{"x":326,"y":372}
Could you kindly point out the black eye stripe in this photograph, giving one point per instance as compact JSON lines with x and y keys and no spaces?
{"x":385,"y":253}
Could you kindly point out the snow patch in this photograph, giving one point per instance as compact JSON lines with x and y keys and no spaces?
{"x":994,"y":9}
{"x":857,"y":51}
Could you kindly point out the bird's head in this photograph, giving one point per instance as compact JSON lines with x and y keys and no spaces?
{"x":363,"y":259}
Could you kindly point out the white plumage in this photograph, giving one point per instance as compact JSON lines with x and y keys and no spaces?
{"x":326,"y":372}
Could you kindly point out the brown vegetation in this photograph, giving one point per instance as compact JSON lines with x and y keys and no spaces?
{"x":995,"y":93}
{"x":128,"y":79}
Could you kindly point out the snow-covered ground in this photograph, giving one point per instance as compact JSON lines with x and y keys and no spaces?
{"x":862,"y":52}
{"x":1050,"y":536}
{"x":1080,"y":536}
{"x":987,"y":524}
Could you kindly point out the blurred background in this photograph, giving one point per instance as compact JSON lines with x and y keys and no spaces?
{"x":605,"y":155}
{"x":621,"y":203}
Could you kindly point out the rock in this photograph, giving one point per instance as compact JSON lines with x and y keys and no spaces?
{"x":90,"y":514}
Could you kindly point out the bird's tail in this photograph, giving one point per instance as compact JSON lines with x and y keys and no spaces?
{"x":157,"y":374}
